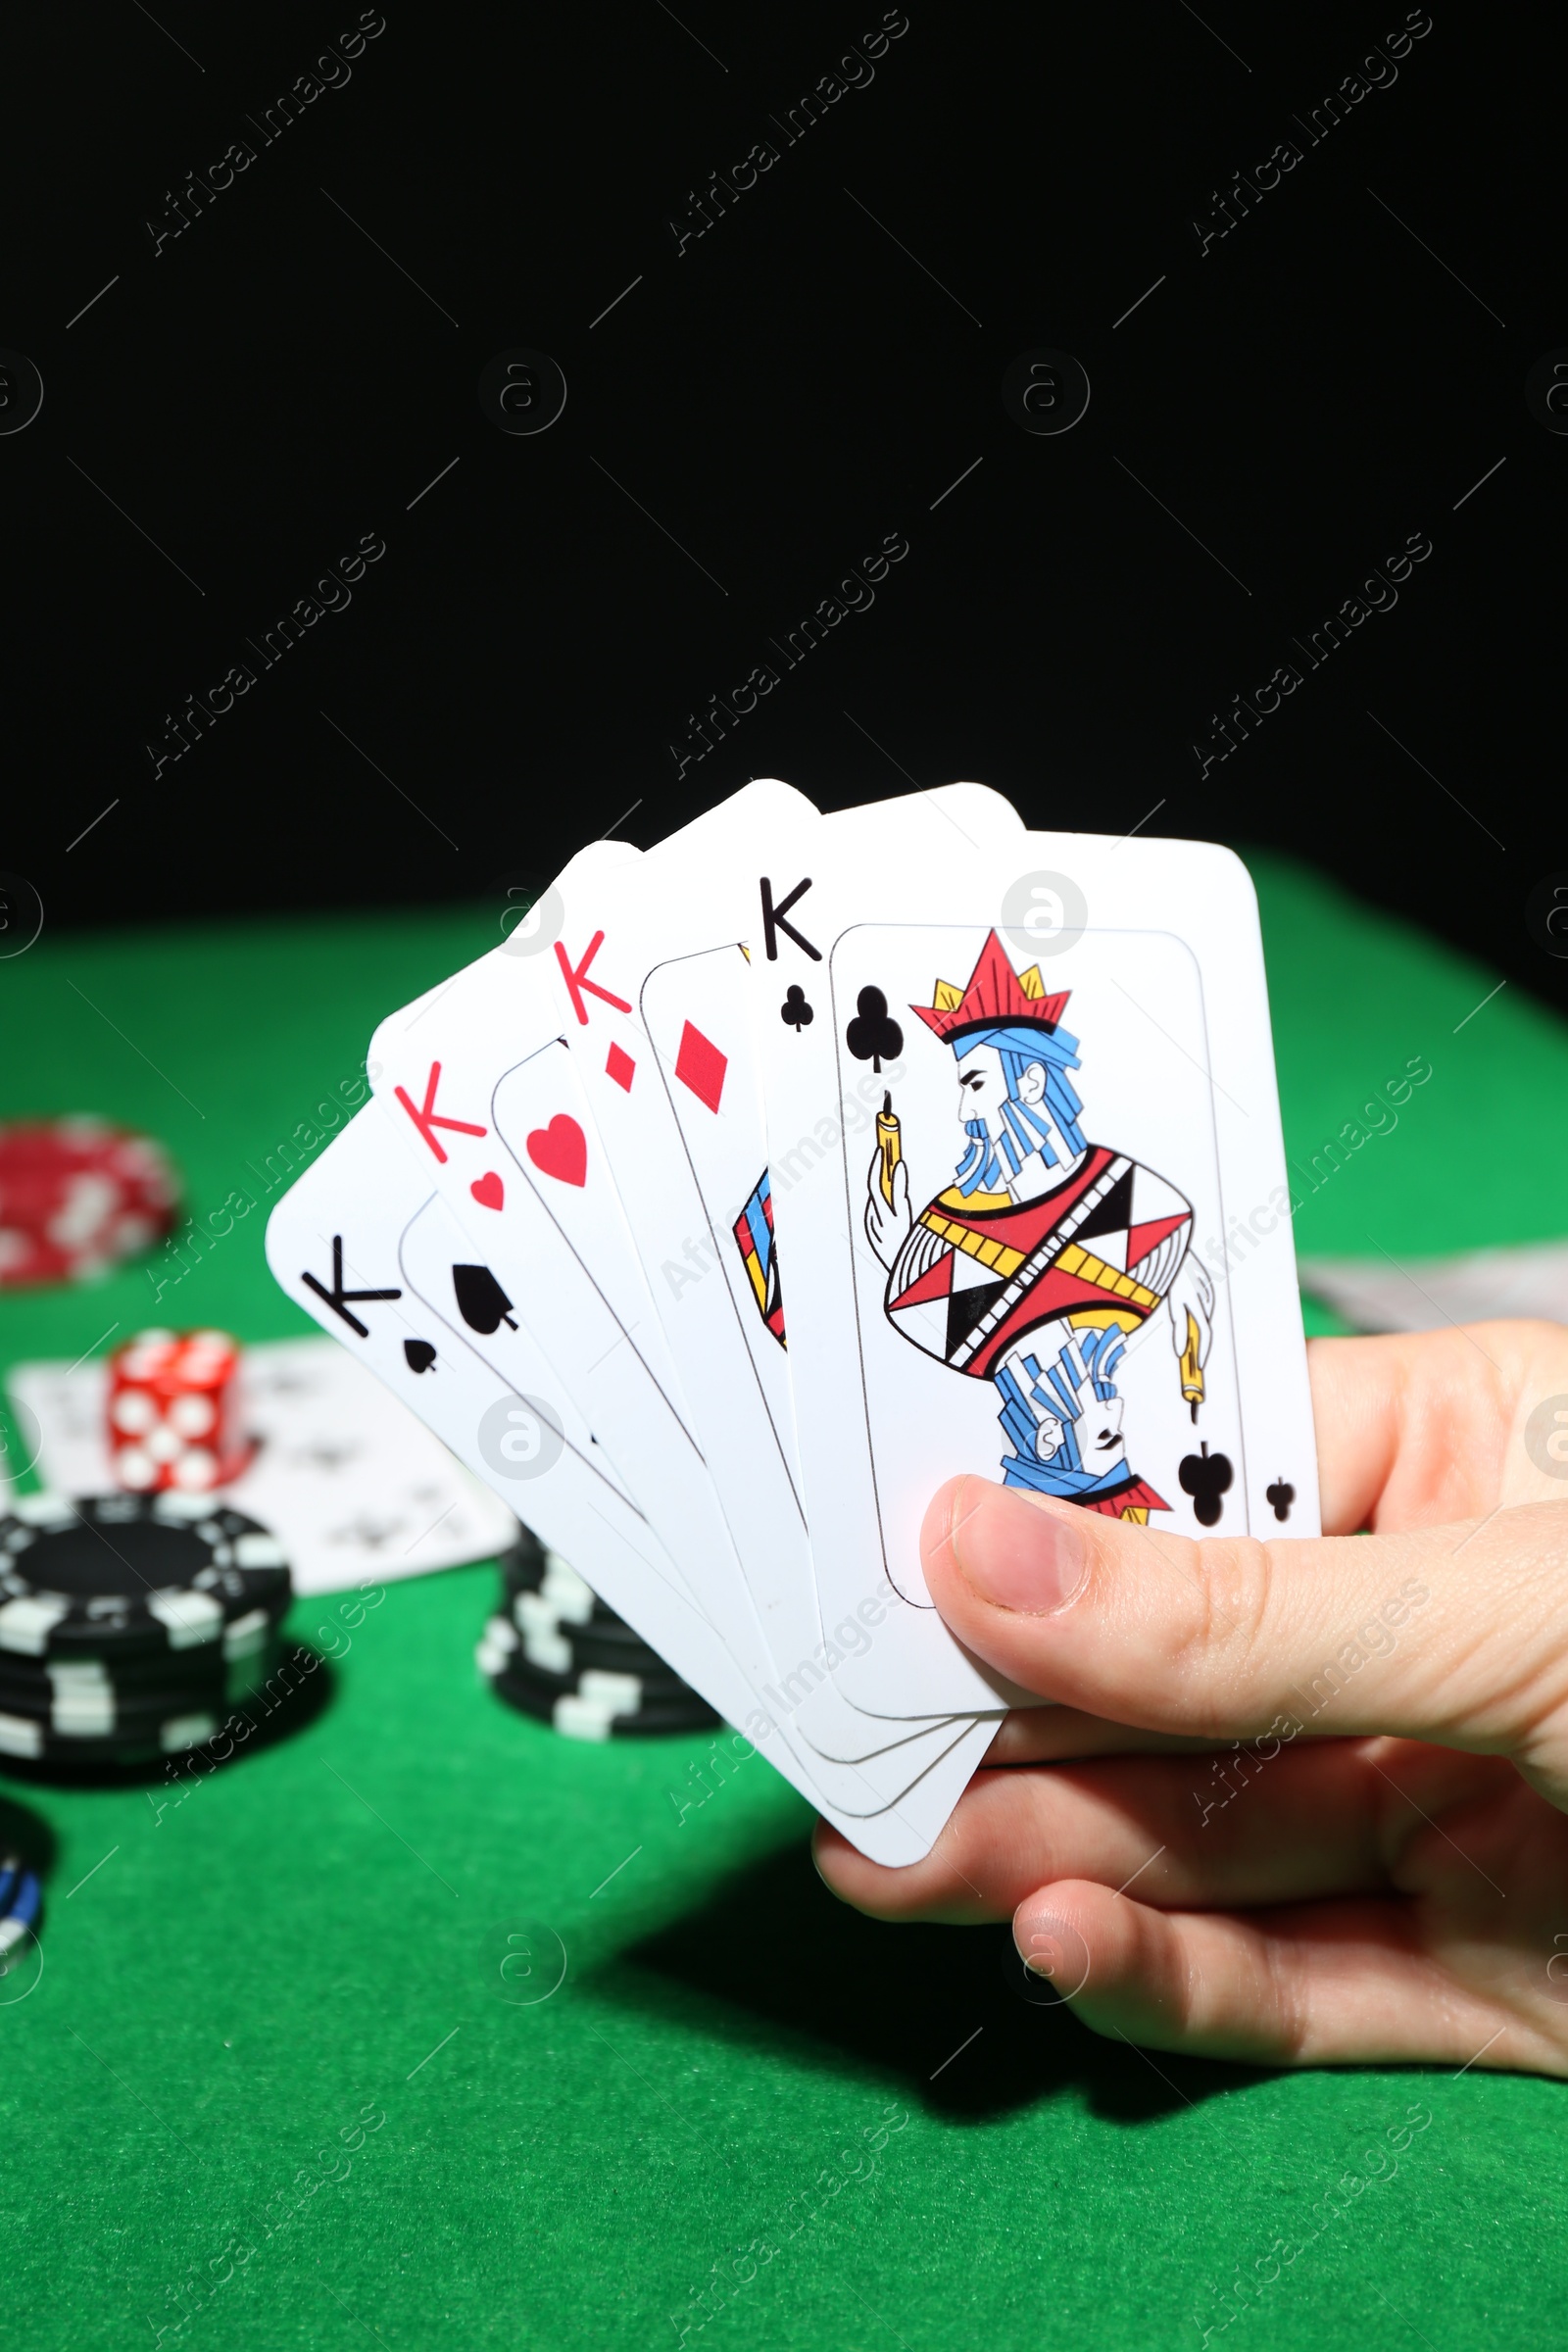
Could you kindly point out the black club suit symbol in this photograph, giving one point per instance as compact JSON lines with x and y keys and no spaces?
{"x":1205,"y":1477}
{"x":873,"y":1036}
{"x":796,"y":1012}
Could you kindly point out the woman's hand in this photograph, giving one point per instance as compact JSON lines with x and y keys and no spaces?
{"x":1378,"y":1869}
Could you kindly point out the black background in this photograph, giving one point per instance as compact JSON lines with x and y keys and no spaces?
{"x":778,"y":396}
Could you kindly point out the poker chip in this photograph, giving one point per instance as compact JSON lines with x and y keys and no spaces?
{"x":601,"y":1706}
{"x":120,"y":1577}
{"x":556,"y":1651}
{"x":504,"y":1649}
{"x":213,"y":1674}
{"x":92,"y":1700}
{"x":529,"y":1568}
{"x":563,"y":1646}
{"x":522,"y":1566}
{"x":78,"y":1195}
{"x":35,"y":1742}
{"x":132,"y":1625}
{"x":158,"y":1736}
{"x":21,"y":1901}
{"x":107,"y":1732}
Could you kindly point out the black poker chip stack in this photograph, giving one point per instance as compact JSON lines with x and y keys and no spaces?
{"x":132,"y":1625}
{"x":556,"y":1651}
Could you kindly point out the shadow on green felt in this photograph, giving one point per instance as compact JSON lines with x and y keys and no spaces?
{"x":773,"y":1962}
{"x":27,"y":1835}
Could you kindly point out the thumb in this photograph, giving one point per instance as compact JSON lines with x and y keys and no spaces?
{"x":1456,"y":1634}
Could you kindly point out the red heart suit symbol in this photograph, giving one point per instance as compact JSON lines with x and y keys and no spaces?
{"x":488,"y":1189}
{"x":560,"y":1150}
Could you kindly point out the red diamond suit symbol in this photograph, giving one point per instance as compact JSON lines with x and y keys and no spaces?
{"x":700,"y":1066}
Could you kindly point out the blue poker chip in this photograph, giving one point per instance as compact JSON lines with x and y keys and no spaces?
{"x":20,"y":1918}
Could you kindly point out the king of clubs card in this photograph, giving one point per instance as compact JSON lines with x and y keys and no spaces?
{"x":1047,"y":1255}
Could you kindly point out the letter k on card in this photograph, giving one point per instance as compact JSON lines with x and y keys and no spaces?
{"x":578,"y":983}
{"x":621,"y":1066}
{"x":424,"y":1115}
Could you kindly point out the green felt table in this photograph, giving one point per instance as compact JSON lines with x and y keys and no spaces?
{"x":306,"y":1945}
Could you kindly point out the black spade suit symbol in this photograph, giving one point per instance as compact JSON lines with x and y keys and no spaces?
{"x":1205,"y":1477}
{"x":481,"y":1302}
{"x":1280,"y":1495}
{"x":872,"y":1036}
{"x":418,"y":1354}
{"x":796,"y":1011}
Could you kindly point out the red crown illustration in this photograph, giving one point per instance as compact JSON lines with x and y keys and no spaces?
{"x":996,"y":995}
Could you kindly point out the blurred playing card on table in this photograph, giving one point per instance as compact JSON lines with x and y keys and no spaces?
{"x":348,"y":1480}
{"x":1422,"y":1293}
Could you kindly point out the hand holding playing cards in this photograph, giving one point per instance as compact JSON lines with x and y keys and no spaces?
{"x":604,"y":1228}
{"x":1375,"y":1864}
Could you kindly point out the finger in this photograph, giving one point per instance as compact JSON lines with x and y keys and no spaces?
{"x":1316,"y":1983}
{"x":1057,"y":1735}
{"x":1452,"y":1634}
{"x":1183,"y":1831}
{"x":1420,"y":1429}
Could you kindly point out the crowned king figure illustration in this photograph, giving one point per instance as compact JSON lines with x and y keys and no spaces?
{"x":1047,"y":1255}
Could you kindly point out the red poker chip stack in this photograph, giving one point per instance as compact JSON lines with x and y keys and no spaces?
{"x":77,"y":1197}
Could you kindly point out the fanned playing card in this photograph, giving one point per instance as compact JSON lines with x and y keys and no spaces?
{"x":339,"y":1243}
{"x":1031,"y":1270}
{"x":478,"y":1091}
{"x":640,"y":1052}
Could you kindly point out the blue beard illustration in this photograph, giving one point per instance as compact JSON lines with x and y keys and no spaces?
{"x":991,"y":1165}
{"x":1088,"y":1361}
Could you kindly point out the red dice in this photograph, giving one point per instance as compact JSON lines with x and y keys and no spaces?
{"x":173,"y":1412}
